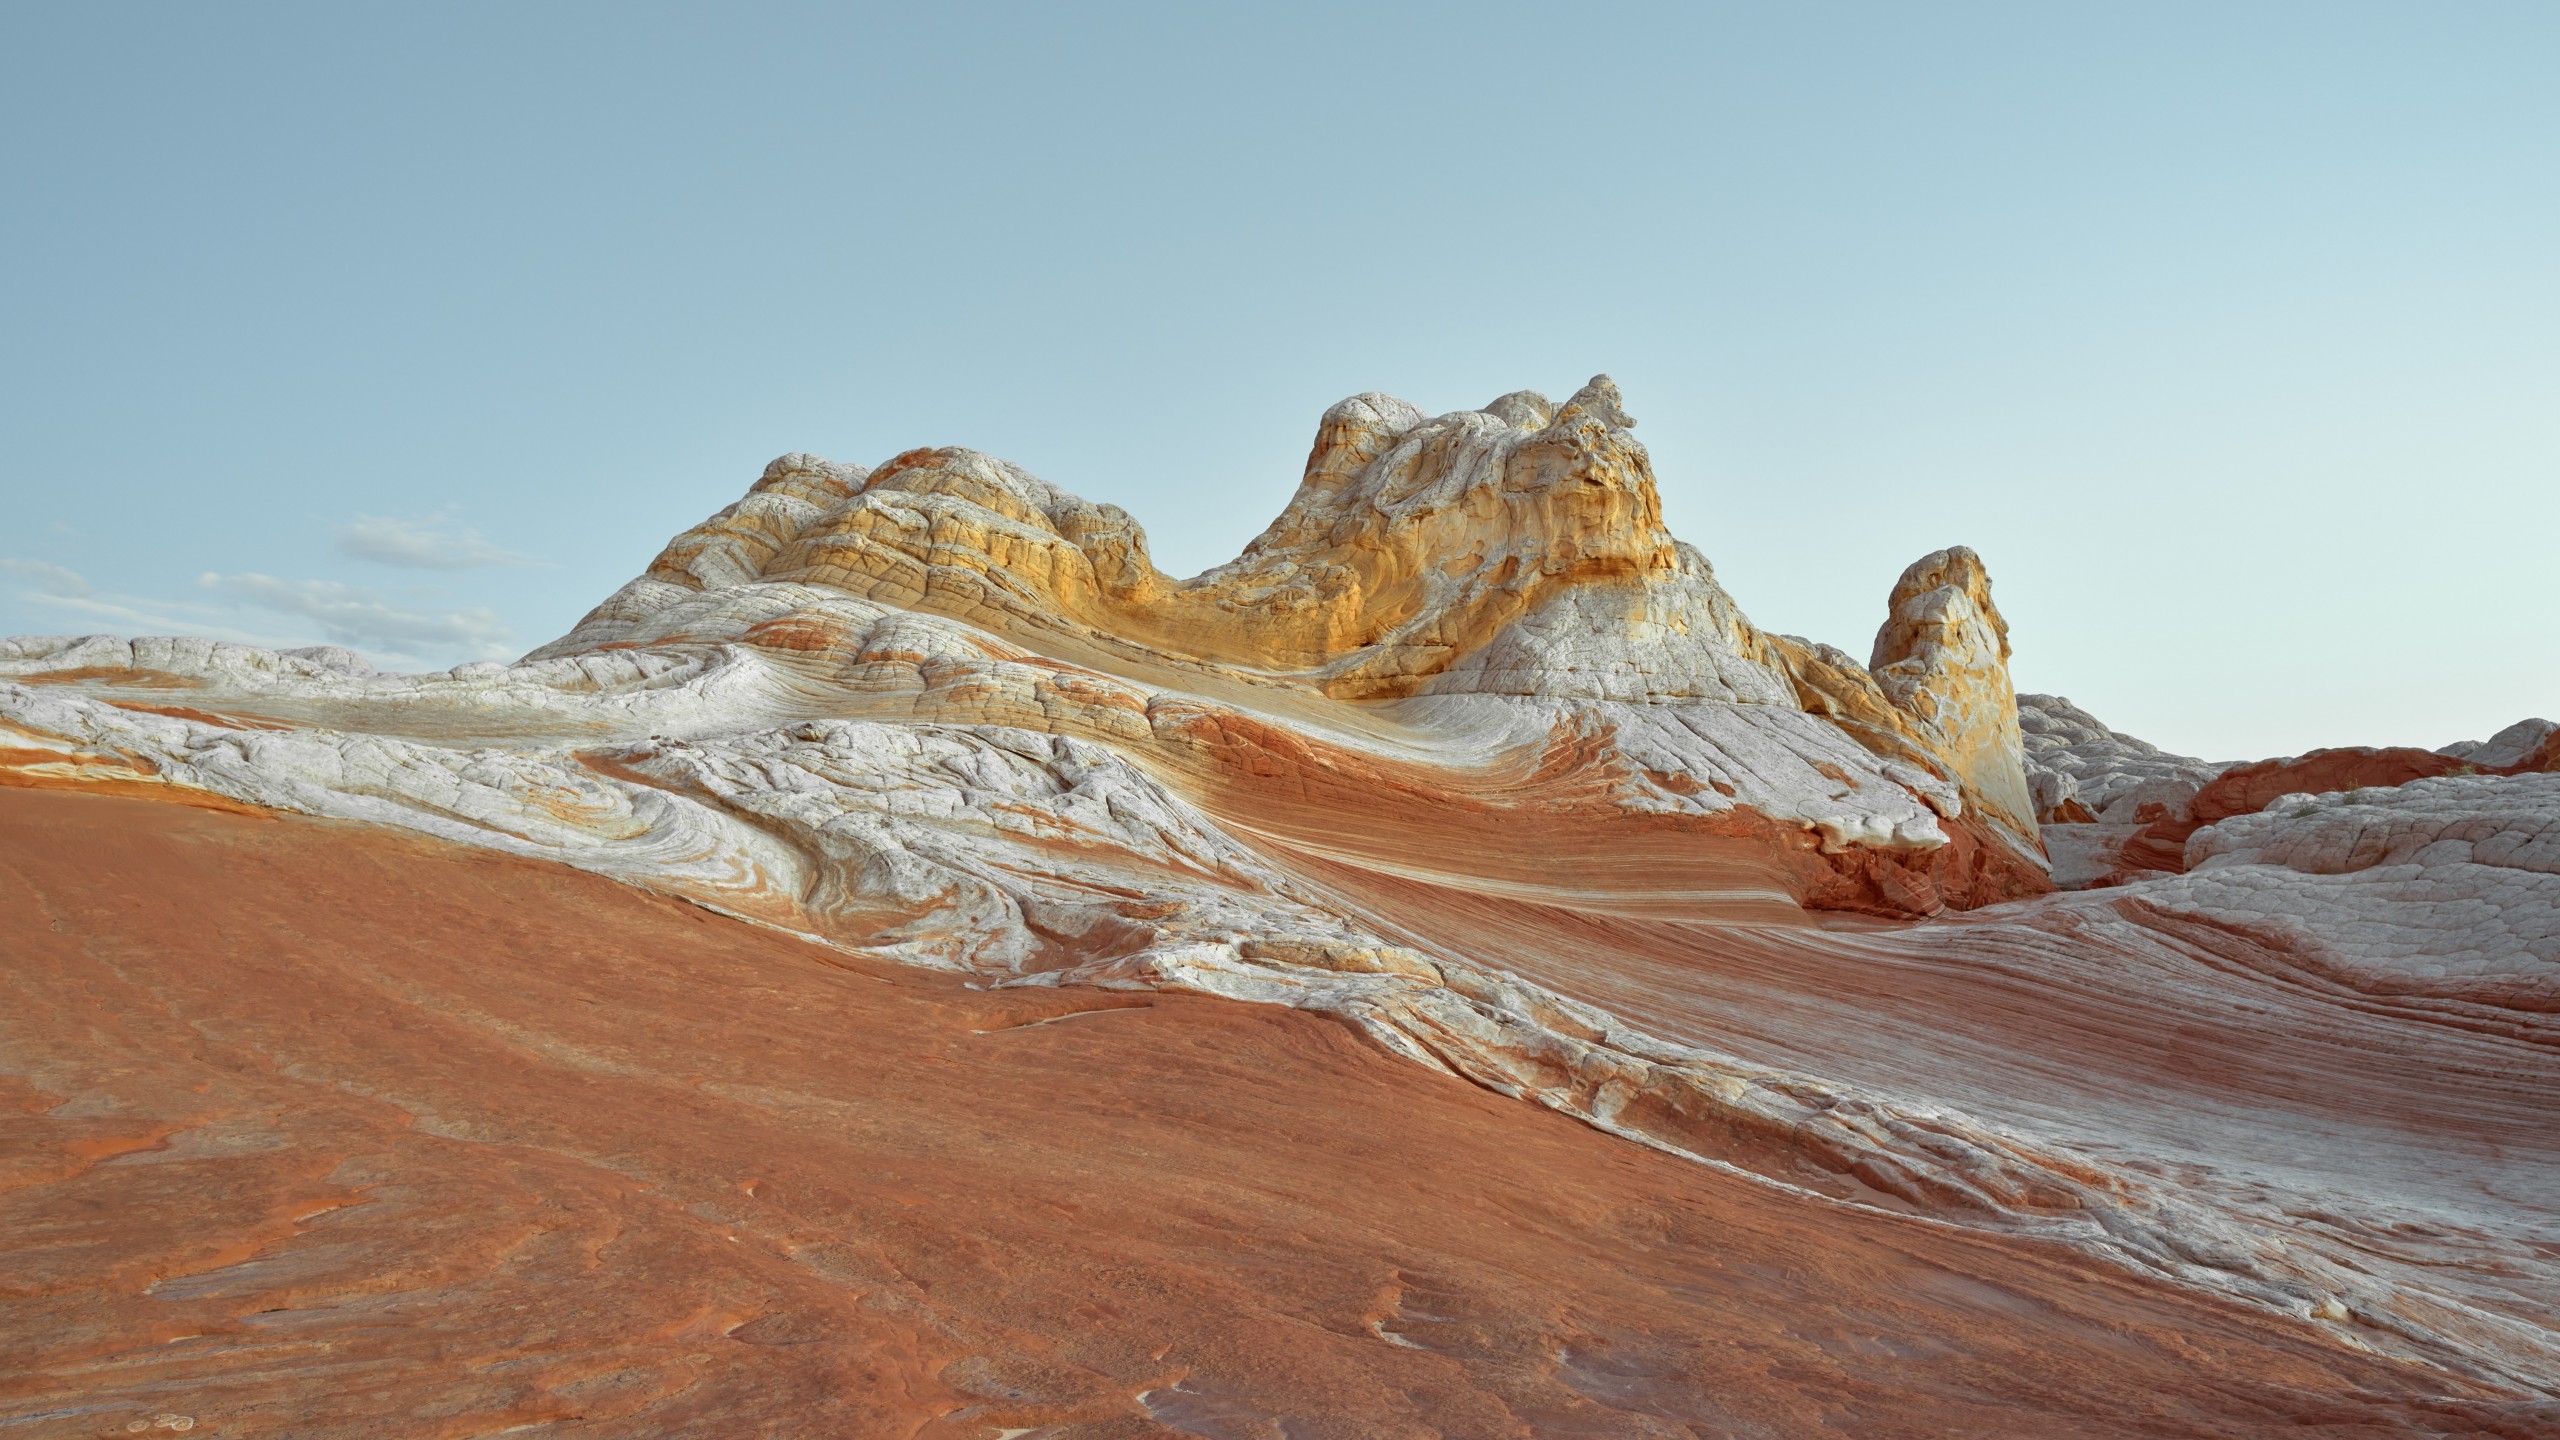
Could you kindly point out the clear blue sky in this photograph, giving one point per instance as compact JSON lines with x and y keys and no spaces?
{"x":2228,"y":333}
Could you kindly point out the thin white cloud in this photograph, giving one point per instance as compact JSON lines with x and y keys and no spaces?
{"x":436,"y":543}
{"x":158,"y":617}
{"x":58,"y":587}
{"x":364,"y":618}
{"x":394,"y":634}
{"x":48,"y":578}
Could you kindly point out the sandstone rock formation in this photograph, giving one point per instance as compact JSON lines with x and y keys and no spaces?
{"x":1942,"y":657}
{"x":1411,"y":542}
{"x":566,"y":1156}
{"x":2526,"y":745}
{"x":1467,"y":752}
{"x":1502,"y":570}
{"x":2079,"y":770}
{"x":2149,"y":803}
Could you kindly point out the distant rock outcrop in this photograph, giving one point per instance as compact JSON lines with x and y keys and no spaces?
{"x":2080,"y":770}
{"x":1942,"y":658}
{"x":2527,"y":745}
{"x":2147,"y":803}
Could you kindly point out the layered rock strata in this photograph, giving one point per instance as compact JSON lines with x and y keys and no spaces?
{"x":630,"y":1171}
{"x":1467,"y":751}
{"x":1503,"y":570}
{"x":1942,"y":658}
{"x":2149,"y":803}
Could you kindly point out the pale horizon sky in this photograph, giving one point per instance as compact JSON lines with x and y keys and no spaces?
{"x":2229,"y":335}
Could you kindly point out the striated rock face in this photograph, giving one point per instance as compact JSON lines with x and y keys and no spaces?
{"x":2150,"y":803}
{"x":1411,"y":543}
{"x":1942,"y":658}
{"x":1469,"y":754}
{"x":572,"y":1156}
{"x":1503,"y":572}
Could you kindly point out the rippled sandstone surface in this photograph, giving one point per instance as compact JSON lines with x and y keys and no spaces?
{"x":1479,"y":785}
{"x":324,"y":1129}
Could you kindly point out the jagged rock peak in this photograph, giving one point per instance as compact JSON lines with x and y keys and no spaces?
{"x":1412,"y":542}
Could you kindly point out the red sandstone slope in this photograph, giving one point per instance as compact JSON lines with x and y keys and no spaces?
{"x":319,"y":1129}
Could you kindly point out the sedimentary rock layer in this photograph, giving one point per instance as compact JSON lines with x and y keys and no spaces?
{"x":327,"y":1130}
{"x":1467,"y":752}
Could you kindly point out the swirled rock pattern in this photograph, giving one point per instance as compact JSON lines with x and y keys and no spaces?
{"x":1467,"y":752}
{"x":2081,"y":771}
{"x":564,"y":1155}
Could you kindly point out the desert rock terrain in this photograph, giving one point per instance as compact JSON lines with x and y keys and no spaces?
{"x":903,"y":965}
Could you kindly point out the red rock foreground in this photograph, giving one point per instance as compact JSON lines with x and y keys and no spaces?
{"x":317,"y":1128}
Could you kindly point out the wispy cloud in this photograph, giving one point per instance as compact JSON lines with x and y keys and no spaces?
{"x":58,"y":587}
{"x":47,"y":578}
{"x":365,"y":618}
{"x":254,"y":609}
{"x":433,"y":543}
